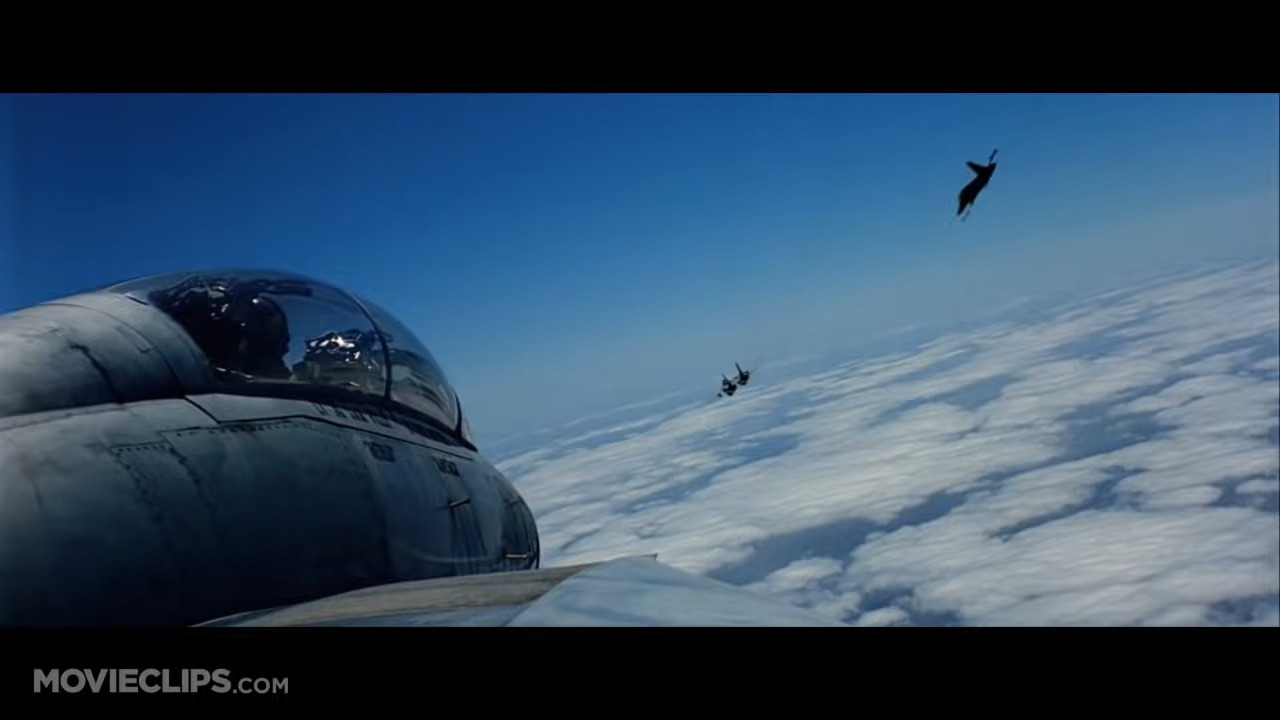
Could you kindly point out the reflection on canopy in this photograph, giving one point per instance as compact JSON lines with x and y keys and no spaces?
{"x":270,"y":327}
{"x":416,"y":377}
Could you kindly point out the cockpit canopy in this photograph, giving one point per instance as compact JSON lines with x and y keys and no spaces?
{"x":266,"y":327}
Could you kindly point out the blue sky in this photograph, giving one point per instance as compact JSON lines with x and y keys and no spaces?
{"x":562,"y":253}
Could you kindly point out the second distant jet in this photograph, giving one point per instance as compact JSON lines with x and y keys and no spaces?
{"x":976,"y":185}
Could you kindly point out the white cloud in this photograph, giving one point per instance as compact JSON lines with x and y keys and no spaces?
{"x":800,"y":575}
{"x":883,"y":617}
{"x":1098,"y":568}
{"x":995,"y":450}
{"x":1259,"y":486}
{"x":1272,"y":363}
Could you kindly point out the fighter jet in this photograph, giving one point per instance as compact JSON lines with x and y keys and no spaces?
{"x":969,"y":193}
{"x":727,"y":387}
{"x":249,"y":447}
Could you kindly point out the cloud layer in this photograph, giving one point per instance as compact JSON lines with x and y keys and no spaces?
{"x":1109,"y":462}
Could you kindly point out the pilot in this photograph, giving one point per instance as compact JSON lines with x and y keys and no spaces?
{"x":264,"y":339}
{"x":236,"y":326}
{"x":194,"y":306}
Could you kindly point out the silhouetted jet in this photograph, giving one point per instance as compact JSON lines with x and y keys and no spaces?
{"x":976,"y":185}
{"x":727,"y":387}
{"x":743,"y":375}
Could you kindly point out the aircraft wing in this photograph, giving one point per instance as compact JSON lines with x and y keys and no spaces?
{"x":633,"y":591}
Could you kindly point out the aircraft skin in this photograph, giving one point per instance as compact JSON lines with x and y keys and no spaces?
{"x":142,"y":483}
{"x":629,"y":591}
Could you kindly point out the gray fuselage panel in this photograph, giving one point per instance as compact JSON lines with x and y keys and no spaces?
{"x":163,"y":512}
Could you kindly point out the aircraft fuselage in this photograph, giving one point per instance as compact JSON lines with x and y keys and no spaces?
{"x":133,"y":491}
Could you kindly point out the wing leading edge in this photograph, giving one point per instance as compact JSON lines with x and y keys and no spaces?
{"x":628,"y":592}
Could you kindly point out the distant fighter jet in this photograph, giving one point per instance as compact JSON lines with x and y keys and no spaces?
{"x":970,"y":192}
{"x":173,"y":453}
{"x":727,"y":387}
